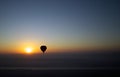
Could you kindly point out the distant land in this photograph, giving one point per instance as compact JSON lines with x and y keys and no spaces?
{"x":103,"y":59}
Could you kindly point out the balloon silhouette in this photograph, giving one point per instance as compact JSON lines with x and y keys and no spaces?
{"x":43,"y":48}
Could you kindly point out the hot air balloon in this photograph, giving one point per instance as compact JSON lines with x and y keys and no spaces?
{"x":43,"y":48}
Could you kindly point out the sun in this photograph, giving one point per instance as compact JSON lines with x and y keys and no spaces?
{"x":28,"y":50}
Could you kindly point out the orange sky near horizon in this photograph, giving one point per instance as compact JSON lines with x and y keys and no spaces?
{"x":21,"y":46}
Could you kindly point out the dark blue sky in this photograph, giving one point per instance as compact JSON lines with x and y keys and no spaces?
{"x":60,"y":24}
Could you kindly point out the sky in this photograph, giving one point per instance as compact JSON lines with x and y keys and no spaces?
{"x":61,"y":25}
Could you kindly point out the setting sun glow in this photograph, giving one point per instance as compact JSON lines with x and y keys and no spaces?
{"x":28,"y":50}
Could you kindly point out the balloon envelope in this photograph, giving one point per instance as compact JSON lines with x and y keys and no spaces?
{"x":43,"y":48}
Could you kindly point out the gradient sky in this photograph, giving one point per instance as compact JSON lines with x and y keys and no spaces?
{"x":59,"y":24}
